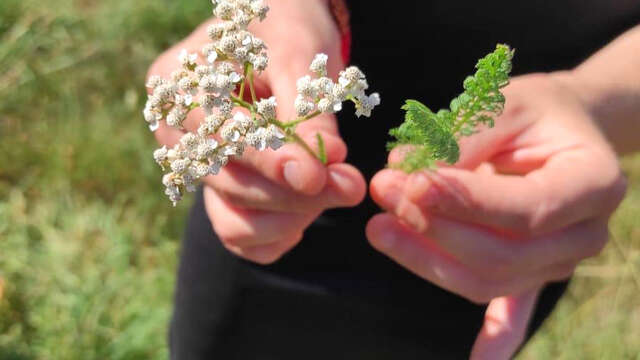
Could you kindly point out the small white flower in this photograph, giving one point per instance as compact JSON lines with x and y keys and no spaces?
{"x":208,"y":83}
{"x":259,"y":62}
{"x":274,"y":137}
{"x":257,"y":139}
{"x":160,"y":156}
{"x":215,"y":31}
{"x":322,"y":86}
{"x":211,"y":58}
{"x":242,"y":20}
{"x":165,"y":92}
{"x":365,"y":104}
{"x":189,"y":141}
{"x":188,"y":182}
{"x":242,"y":122}
{"x":235,"y":77}
{"x":319,"y":65}
{"x":176,"y":117}
{"x":325,"y":106}
{"x":230,"y":133}
{"x":187,"y":60}
{"x":179,"y":166}
{"x":176,"y":75}
{"x":154,"y":81}
{"x":224,"y":84}
{"x":225,"y":108}
{"x":303,"y":106}
{"x":217,"y":162}
{"x":224,"y":10}
{"x":199,"y":169}
{"x":234,"y":149}
{"x":267,"y":107}
{"x":257,"y":44}
{"x":206,"y":148}
{"x":224,"y":68}
{"x":203,"y":70}
{"x":187,"y":99}
{"x":305,"y":88}
{"x":259,"y":9}
{"x":227,"y":44}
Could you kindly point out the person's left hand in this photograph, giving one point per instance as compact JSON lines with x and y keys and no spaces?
{"x":527,"y":201}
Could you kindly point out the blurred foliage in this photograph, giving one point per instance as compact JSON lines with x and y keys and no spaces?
{"x":87,"y":243}
{"x":599,"y":317}
{"x":87,"y":247}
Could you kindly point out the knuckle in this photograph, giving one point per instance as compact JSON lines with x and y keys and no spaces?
{"x":612,"y":186}
{"x":479,"y":298}
{"x":481,"y":293}
{"x":596,"y":244}
{"x":495,"y":269}
{"x":617,"y":190}
{"x":265,"y":259}
{"x":234,"y":238}
{"x":562,"y":273}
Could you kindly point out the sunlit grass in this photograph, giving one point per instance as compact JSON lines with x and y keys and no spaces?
{"x":88,"y":245}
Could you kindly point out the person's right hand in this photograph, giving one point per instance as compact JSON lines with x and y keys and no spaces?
{"x":261,"y":204}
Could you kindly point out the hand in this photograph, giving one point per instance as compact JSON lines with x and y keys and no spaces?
{"x":527,"y":201}
{"x":261,"y":204}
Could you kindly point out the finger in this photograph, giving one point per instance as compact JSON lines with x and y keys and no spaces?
{"x":270,"y":253}
{"x":247,"y":189}
{"x":505,"y":326}
{"x":481,"y":247}
{"x":241,"y":228}
{"x":425,"y":259}
{"x":571,"y":187}
{"x":166,"y":135}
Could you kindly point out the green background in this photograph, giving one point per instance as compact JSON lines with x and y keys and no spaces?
{"x":88,"y":243}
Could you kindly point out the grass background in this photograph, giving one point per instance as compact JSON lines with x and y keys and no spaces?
{"x":88,"y":244}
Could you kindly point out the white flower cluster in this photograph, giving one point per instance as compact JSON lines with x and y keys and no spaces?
{"x":211,"y":86}
{"x":323,"y":95}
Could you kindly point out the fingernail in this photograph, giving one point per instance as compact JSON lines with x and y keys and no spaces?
{"x":339,"y":179}
{"x":423,"y":190}
{"x":387,"y":240}
{"x":292,"y":174}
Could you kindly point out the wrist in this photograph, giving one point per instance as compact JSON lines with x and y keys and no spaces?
{"x":610,"y":105}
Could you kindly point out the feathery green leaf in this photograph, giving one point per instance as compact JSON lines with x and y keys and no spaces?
{"x":433,"y":136}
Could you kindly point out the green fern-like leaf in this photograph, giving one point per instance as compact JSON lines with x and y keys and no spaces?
{"x":434,"y":136}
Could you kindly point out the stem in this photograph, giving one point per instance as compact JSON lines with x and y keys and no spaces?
{"x":238,"y":101}
{"x":244,"y":81}
{"x":305,"y":146}
{"x":301,"y":119}
{"x":253,"y":91}
{"x":295,"y":137}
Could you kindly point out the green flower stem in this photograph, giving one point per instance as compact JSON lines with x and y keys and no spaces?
{"x":244,"y":80}
{"x":238,"y":101}
{"x":301,"y":119}
{"x":292,"y":136}
{"x":298,"y":140}
{"x":249,"y":72}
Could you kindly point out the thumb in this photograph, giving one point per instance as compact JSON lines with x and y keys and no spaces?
{"x":505,"y":326}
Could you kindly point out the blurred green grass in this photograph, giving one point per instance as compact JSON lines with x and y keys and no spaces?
{"x":87,"y":243}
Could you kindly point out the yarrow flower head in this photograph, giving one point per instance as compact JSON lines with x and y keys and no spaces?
{"x":216,"y":80}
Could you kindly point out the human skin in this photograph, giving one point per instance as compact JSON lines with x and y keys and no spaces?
{"x":528,"y":200}
{"x":486,"y":236}
{"x":261,"y":204}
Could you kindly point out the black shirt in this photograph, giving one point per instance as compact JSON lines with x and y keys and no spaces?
{"x":333,"y":296}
